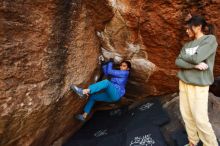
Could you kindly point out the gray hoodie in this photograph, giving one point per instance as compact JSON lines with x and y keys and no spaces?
{"x":193,"y":53}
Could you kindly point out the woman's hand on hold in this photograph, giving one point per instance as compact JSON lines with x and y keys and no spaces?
{"x":202,"y":66}
{"x":101,"y":59}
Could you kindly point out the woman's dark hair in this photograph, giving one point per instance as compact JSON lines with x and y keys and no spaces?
{"x":199,"y":20}
{"x":128,"y":63}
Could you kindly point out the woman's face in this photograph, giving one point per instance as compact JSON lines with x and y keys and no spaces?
{"x":192,"y":32}
{"x":124,"y":66}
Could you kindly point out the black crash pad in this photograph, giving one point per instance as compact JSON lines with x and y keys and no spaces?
{"x":120,"y":127}
{"x":101,"y":137}
{"x":149,"y":112}
{"x":107,"y":119}
{"x":149,"y":135}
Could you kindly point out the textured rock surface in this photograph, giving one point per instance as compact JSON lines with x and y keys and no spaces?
{"x":215,"y":87}
{"x":46,"y":45}
{"x":151,"y":34}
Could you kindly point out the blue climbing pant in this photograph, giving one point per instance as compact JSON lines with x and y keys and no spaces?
{"x":110,"y":94}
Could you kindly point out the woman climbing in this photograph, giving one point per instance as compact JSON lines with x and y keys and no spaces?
{"x":196,"y":61}
{"x":107,"y":90}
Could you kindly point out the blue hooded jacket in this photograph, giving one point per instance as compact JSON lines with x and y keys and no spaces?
{"x":119,"y":78}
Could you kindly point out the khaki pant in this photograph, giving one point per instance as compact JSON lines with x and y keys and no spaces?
{"x":194,"y":110}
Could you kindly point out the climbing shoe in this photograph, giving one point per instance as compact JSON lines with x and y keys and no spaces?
{"x":78,"y":91}
{"x":80,"y":118}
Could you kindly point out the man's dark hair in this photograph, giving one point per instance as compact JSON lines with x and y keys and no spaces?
{"x":199,"y":20}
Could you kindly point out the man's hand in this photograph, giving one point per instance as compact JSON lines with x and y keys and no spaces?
{"x":202,"y":66}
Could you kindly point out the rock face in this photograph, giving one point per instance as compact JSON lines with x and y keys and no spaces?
{"x":151,"y":34}
{"x":215,"y":87}
{"x":46,"y":45}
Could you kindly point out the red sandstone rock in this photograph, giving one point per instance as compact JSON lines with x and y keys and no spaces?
{"x":156,"y":29}
{"x":45,"y":46}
